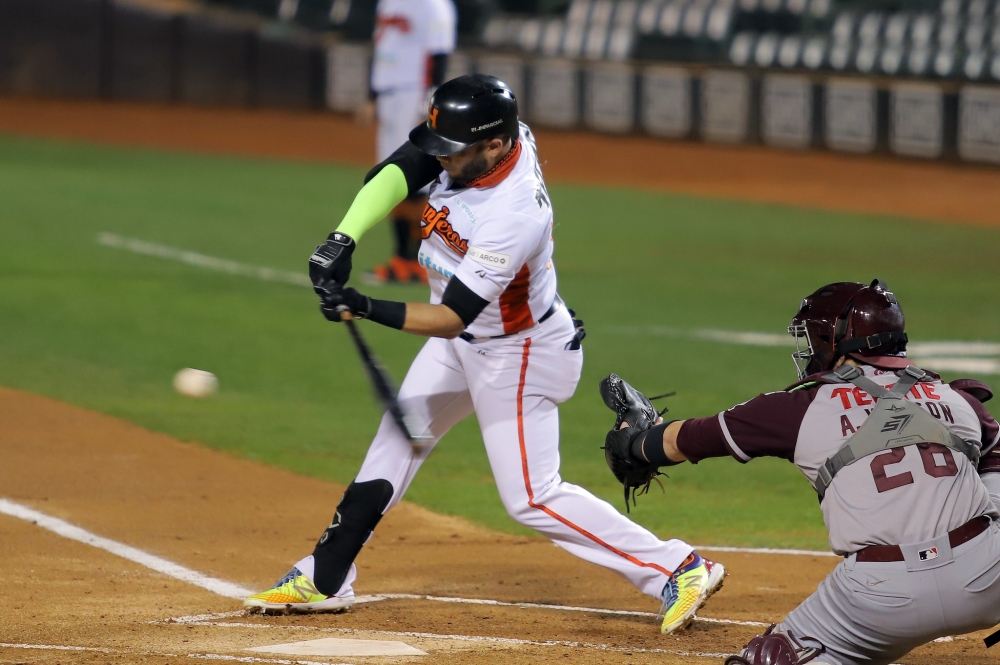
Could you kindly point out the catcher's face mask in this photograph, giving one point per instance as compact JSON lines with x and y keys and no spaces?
{"x":804,"y":352}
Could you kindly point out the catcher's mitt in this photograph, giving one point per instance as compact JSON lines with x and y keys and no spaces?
{"x":631,"y":407}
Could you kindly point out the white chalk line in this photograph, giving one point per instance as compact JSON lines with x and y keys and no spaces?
{"x":948,"y":356}
{"x":230,"y":590}
{"x":159,"y":564}
{"x":973,"y":357}
{"x":201,"y":656}
{"x":137,"y":246}
{"x":457,"y":638}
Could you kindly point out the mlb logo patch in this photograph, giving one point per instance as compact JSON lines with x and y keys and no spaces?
{"x":928,"y":555}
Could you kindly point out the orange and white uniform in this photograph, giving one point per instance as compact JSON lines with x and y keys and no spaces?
{"x":512,"y":368}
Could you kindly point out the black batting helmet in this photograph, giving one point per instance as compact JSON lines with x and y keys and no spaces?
{"x":849,"y":319}
{"x":465,"y":111}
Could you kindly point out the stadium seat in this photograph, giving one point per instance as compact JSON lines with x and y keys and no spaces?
{"x":766,"y":50}
{"x":896,"y":28}
{"x":922,"y":31}
{"x":694,"y":20}
{"x":820,"y":9}
{"x":814,"y":52}
{"x":840,"y":56}
{"x":670,"y":19}
{"x":975,"y":65}
{"x":719,"y":22}
{"x":918,"y":62}
{"x":843,"y":28}
{"x":620,"y":43}
{"x":948,"y":33}
{"x":891,"y":60}
{"x":945,"y":62}
{"x":790,"y":52}
{"x":866,"y":57}
{"x":552,"y":36}
{"x":797,"y":6}
{"x":339,"y":11}
{"x":649,"y":16}
{"x":572,"y":44}
{"x":870,"y":28}
{"x":596,"y":41}
{"x":530,"y":35}
{"x":741,"y":48}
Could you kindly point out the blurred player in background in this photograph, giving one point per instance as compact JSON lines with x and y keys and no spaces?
{"x":413,"y":39}
{"x":906,"y":468}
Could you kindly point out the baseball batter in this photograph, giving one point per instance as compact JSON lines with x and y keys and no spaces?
{"x":903,"y":465}
{"x":502,"y":345}
{"x":413,"y":39}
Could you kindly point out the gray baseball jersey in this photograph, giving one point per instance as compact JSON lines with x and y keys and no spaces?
{"x":873,"y":613}
{"x":904,"y":495}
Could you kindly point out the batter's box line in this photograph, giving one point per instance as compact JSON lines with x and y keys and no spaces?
{"x":509,"y":641}
{"x":200,"y":656}
{"x":376,"y":598}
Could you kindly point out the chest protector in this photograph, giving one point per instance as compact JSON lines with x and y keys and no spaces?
{"x":895,"y":422}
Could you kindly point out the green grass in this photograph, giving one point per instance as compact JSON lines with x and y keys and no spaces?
{"x":107,"y":329}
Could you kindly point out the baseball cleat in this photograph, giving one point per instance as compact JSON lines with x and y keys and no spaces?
{"x":295,"y":593}
{"x":397,"y":271}
{"x":687,"y":591}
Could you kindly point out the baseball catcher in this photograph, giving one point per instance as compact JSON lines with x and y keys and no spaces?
{"x":906,"y":468}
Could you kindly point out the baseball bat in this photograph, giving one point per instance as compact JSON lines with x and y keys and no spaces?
{"x":419,"y":437}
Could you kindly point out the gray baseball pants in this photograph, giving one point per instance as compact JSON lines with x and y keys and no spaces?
{"x":874,"y":613}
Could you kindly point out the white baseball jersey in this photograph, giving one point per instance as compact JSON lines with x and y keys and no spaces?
{"x":407,"y":34}
{"x":495,"y":235}
{"x":904,"y":495}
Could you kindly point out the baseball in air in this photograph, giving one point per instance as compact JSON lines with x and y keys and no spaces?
{"x":195,"y":383}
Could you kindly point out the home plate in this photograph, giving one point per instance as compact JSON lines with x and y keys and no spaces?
{"x":334,"y":646}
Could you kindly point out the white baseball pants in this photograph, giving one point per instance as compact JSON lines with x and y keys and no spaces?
{"x":513,"y":385}
{"x":398,"y":112}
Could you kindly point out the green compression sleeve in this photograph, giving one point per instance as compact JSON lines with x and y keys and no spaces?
{"x":375,"y":200}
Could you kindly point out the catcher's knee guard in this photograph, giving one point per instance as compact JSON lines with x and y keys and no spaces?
{"x":357,"y":516}
{"x":775,"y":647}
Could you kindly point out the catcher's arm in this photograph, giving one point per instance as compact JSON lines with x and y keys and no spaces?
{"x":634,"y":448}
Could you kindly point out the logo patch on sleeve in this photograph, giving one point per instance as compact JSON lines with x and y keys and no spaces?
{"x":493,"y":259}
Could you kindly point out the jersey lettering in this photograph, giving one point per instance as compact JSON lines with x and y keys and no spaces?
{"x":883,"y":481}
{"x":436,"y":221}
{"x":937,"y":460}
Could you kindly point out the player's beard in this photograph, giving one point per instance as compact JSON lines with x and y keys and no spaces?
{"x":475,"y":168}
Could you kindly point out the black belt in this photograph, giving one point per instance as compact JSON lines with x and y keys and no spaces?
{"x":959,"y":536}
{"x":556,"y":304}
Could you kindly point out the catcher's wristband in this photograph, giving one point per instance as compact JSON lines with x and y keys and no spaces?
{"x":647,"y":447}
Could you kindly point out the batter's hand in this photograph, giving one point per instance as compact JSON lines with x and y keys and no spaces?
{"x":331,"y":262}
{"x":335,"y":301}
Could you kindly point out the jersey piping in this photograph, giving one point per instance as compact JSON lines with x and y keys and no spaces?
{"x":742,"y":456}
{"x":514,"y":310}
{"x":500,"y":171}
{"x":526,"y":352}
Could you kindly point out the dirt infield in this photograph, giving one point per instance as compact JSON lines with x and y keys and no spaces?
{"x":882,"y":185}
{"x":244,"y":522}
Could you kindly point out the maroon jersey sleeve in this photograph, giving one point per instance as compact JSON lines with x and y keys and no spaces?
{"x":766,"y":426}
{"x":990,"y":428}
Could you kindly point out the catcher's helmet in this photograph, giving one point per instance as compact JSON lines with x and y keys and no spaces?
{"x":775,"y":647}
{"x":465,"y":111}
{"x":849,"y":319}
